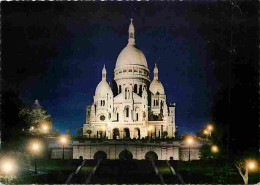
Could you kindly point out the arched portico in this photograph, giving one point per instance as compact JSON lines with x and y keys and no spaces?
{"x":125,"y":155}
{"x":151,"y":155}
{"x":137,"y":133}
{"x":100,"y":155}
{"x":116,"y":133}
{"x":126,"y":133}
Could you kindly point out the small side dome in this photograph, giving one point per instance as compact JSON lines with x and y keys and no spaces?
{"x":156,"y":87}
{"x":103,"y":89}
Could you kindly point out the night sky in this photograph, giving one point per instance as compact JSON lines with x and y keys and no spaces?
{"x":55,"y":51}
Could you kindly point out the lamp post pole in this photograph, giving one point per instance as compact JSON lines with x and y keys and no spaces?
{"x":63,"y":152}
{"x":35,"y":166}
{"x":189,"y":164}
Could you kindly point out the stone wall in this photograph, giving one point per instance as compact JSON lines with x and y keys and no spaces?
{"x":178,"y":150}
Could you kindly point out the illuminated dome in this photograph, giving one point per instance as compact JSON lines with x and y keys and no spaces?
{"x":130,"y":55}
{"x":103,"y":87}
{"x":156,"y":87}
{"x":131,"y":62}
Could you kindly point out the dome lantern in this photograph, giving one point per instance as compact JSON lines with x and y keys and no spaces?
{"x":131,"y":33}
{"x":155,"y":72}
{"x":104,"y":73}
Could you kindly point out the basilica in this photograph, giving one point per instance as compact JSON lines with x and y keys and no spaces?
{"x":134,"y":106}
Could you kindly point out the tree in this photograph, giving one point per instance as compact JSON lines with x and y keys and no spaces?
{"x":164,"y":134}
{"x":56,"y":132}
{"x":89,"y":132}
{"x":243,"y":170}
{"x":205,"y":152}
{"x":79,"y":132}
{"x":36,"y":115}
{"x":68,"y":131}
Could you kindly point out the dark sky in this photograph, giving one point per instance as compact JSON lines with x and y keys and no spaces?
{"x":54,"y":51}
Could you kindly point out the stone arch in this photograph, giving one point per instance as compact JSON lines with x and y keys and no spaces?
{"x":100,"y":155}
{"x":116,"y":133}
{"x":126,"y":133}
{"x":125,"y":155}
{"x":151,"y":155}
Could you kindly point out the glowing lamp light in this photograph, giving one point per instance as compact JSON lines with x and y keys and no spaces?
{"x":45,"y":128}
{"x":35,"y":147}
{"x":205,"y":132}
{"x":214,"y":149}
{"x":251,"y":165}
{"x":210,"y":127}
{"x":32,"y":128}
{"x":190,"y":140}
{"x":103,"y":128}
{"x":150,"y":128}
{"x":8,"y":166}
{"x":63,"y":140}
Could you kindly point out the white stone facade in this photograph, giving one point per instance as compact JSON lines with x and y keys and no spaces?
{"x":136,"y":108}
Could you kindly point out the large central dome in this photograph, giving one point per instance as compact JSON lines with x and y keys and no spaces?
{"x":130,"y":55}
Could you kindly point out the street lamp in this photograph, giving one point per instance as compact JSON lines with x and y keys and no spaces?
{"x":214,"y":149}
{"x":35,"y":149}
{"x":189,"y":141}
{"x":63,"y":141}
{"x":251,"y":165}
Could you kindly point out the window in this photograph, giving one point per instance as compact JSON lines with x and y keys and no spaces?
{"x":153,"y":102}
{"x":140,"y":90}
{"x":124,"y":71}
{"x":102,"y":118}
{"x":136,"y":116}
{"x":127,"y":112}
{"x":135,"y":88}
{"x":119,"y":90}
{"x":130,"y":70}
{"x":131,"y":35}
{"x":103,"y":102}
{"x":117,"y":116}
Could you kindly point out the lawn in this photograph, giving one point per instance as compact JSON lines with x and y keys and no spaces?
{"x":133,"y":171}
{"x":49,"y":171}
